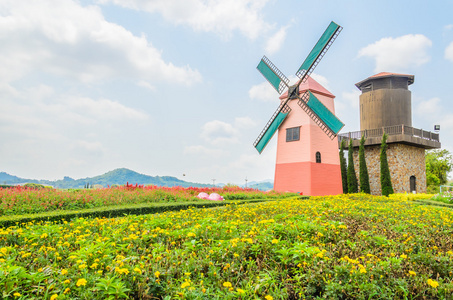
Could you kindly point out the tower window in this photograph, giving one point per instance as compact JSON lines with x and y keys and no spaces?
{"x":292,"y":134}
{"x":318,"y":157}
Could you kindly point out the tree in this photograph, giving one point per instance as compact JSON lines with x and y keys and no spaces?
{"x":363,"y":170}
{"x":352,"y":178}
{"x":438,"y":164}
{"x":343,"y":166}
{"x":386,"y":181}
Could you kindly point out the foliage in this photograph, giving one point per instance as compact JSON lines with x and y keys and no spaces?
{"x":386,"y":181}
{"x":363,"y":170}
{"x":438,"y":165}
{"x":36,"y":186}
{"x":21,"y":200}
{"x":352,"y":177}
{"x":344,"y":168}
{"x":445,"y":197}
{"x":352,"y":246}
{"x":59,"y":216}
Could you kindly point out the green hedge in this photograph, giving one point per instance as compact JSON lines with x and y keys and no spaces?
{"x":114,"y":211}
{"x":433,"y":203}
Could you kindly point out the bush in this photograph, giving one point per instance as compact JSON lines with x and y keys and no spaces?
{"x":386,"y":180}
{"x":364,"y":178}
{"x":352,"y":177}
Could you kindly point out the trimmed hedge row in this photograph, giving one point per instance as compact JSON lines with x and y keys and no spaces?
{"x":434,"y":203}
{"x":116,"y":211}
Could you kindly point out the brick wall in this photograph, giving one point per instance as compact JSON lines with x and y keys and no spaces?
{"x":404,"y":161}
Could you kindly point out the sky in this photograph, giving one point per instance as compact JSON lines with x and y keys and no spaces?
{"x":170,"y":87}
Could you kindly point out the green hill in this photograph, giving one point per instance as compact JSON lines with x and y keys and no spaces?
{"x":117,"y":176}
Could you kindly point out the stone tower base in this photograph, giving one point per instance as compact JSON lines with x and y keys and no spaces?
{"x":404,"y":162}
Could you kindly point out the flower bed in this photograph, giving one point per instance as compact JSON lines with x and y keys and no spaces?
{"x":344,"y":247}
{"x":20,"y":200}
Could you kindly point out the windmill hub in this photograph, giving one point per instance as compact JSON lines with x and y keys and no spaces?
{"x":293,"y":92}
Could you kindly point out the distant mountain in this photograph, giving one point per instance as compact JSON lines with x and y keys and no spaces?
{"x":263,"y":186}
{"x":5,"y":178}
{"x":121,"y":177}
{"x":117,"y":176}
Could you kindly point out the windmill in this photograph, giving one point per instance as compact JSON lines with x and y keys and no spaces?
{"x":314,"y":111}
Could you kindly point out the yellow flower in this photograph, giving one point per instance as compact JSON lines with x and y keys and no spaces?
{"x":44,"y":235}
{"x":3,"y":250}
{"x":185,"y":284}
{"x":81,"y":282}
{"x":191,"y":234}
{"x":433,"y":283}
{"x":269,"y":297}
{"x":362,"y":270}
{"x":94,"y":266}
{"x":157,"y":274}
{"x":16,"y":294}
{"x":227,"y":284}
{"x":67,"y":281}
{"x":64,"y":272}
{"x":53,"y":297}
{"x":403,"y":256}
{"x":274,"y":241}
{"x":122,"y":271}
{"x":67,"y":290}
{"x":412,"y":273}
{"x":240,"y":291}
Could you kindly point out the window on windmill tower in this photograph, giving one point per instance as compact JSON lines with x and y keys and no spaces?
{"x":292,"y":134}
{"x":318,"y":157}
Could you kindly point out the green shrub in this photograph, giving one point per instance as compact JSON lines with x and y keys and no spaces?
{"x":352,"y":177}
{"x":364,"y":178}
{"x":386,"y":180}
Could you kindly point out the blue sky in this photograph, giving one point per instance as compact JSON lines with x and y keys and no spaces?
{"x":170,"y":87}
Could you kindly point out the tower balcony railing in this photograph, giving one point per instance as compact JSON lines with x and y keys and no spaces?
{"x":390,"y":130}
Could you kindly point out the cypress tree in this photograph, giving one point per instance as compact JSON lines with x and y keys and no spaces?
{"x":386,"y":181}
{"x":343,"y":166}
{"x":364,"y":178}
{"x":352,"y":178}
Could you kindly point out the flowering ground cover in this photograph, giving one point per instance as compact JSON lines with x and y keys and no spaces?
{"x":20,"y":200}
{"x":339,"y":247}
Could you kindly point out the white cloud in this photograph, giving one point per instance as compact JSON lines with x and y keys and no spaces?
{"x":218,"y":132}
{"x":219,"y":16}
{"x":264,"y":92}
{"x":398,"y":54}
{"x":448,"y":27}
{"x":430,"y":107}
{"x":352,"y":98}
{"x":275,"y":42}
{"x":449,"y":52}
{"x":146,"y":85}
{"x":73,"y":41}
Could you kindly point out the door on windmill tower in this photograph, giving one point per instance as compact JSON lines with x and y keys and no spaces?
{"x":413,"y":186}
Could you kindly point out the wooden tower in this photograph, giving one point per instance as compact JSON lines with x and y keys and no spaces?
{"x":385,"y":106}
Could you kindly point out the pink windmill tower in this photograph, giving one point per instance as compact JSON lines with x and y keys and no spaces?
{"x":307,"y":148}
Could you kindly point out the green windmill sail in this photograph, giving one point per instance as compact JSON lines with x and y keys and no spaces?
{"x":318,"y":112}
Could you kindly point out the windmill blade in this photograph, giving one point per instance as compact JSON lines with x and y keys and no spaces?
{"x":273,"y":74}
{"x":318,"y":51}
{"x":320,"y":114}
{"x":271,"y":127}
